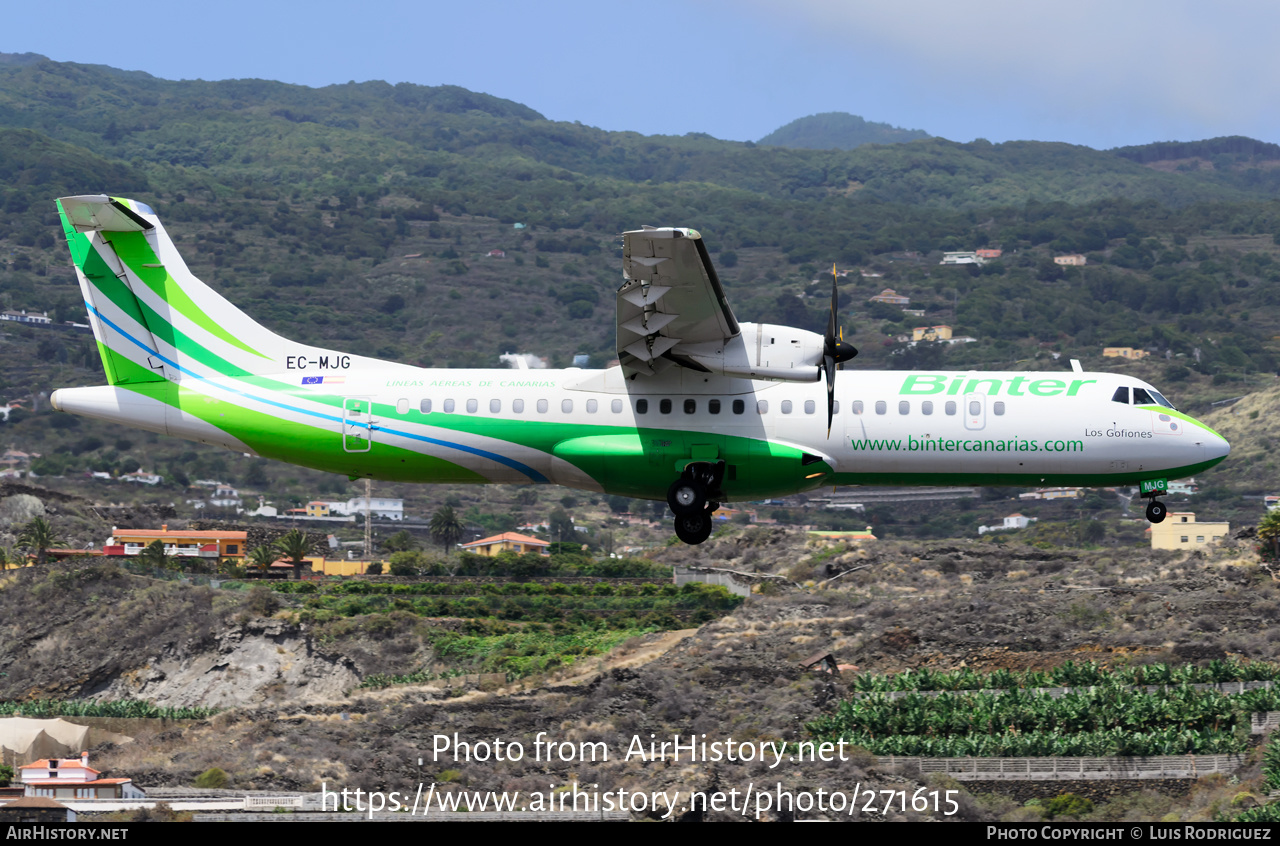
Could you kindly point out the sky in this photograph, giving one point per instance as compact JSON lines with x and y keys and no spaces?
{"x":1102,"y":73}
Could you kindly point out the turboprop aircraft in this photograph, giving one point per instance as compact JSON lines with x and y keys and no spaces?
{"x":701,"y":410}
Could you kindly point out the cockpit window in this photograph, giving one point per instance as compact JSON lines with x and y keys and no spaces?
{"x":1141,"y":397}
{"x":1160,"y":399}
{"x":1121,"y":395}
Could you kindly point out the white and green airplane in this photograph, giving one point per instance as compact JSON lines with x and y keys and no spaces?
{"x":702,"y":409}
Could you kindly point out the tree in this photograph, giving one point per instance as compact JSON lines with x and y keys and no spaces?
{"x":401,"y":541}
{"x":262,"y":557}
{"x":560,"y":525}
{"x":38,"y":537}
{"x":446,"y":529}
{"x":153,"y":555}
{"x":1269,"y":534}
{"x":295,"y":546}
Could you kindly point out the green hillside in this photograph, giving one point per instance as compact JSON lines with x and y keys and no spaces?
{"x":837,"y":131}
{"x":361,"y":216}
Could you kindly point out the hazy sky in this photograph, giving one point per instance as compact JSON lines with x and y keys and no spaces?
{"x":1097,"y":72}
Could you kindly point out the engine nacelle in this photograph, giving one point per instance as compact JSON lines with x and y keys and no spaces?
{"x":763,"y":351}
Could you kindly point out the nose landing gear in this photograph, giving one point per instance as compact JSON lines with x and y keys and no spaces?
{"x":1156,"y":510}
{"x":689,"y":498}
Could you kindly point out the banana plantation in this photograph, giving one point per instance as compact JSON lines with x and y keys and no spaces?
{"x":1109,"y":719}
{"x":1070,"y":674}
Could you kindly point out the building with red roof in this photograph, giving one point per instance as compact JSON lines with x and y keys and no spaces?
{"x":73,"y":778}
{"x":507,"y":542}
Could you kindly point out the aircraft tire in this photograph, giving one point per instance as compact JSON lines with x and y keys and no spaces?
{"x":693,"y":529}
{"x":687,"y":496}
{"x":1156,"y":511}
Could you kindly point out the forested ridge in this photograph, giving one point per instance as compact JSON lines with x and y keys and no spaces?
{"x":305,"y":205}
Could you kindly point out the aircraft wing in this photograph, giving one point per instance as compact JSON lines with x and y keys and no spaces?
{"x":670,"y":305}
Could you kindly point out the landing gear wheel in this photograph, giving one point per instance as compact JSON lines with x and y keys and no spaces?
{"x":687,"y":497}
{"x":1156,"y":511}
{"x":693,"y":528}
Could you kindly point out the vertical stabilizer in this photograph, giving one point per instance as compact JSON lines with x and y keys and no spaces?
{"x":152,"y":318}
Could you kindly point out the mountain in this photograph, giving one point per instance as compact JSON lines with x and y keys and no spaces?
{"x":362,"y":217}
{"x":837,"y":131}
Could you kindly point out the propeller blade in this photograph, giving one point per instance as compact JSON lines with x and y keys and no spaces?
{"x":829,"y":370}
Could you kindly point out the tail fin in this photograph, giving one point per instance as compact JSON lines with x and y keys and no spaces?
{"x":152,"y":318}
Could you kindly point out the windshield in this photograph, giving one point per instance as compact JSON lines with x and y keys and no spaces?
{"x":1141,"y":396}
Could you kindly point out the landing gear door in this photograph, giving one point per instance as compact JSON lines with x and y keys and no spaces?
{"x":975,"y":411}
{"x":357,"y":424}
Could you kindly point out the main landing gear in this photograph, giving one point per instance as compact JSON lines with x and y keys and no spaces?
{"x":690,"y":498}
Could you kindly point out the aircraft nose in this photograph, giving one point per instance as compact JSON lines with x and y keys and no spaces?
{"x":1215,"y":446}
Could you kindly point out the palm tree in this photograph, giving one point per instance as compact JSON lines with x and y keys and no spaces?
{"x":262,"y":557}
{"x":295,"y":546}
{"x":446,"y":529}
{"x":1269,"y":532}
{"x":38,"y":536}
{"x":401,"y":541}
{"x":153,"y":555}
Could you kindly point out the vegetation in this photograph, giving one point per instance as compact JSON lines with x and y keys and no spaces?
{"x":446,"y":529}
{"x":212,"y":778}
{"x":1071,"y":674}
{"x":38,"y":537}
{"x":615,"y":606}
{"x":46,"y":708}
{"x":294,"y":547}
{"x":839,"y":131}
{"x":1106,"y":720}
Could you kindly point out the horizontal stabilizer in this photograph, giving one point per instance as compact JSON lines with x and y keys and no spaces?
{"x":100,"y":213}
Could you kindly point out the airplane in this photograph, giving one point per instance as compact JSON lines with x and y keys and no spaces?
{"x":700,"y":410}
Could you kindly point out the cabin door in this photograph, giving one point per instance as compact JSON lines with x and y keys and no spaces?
{"x":357,"y":424}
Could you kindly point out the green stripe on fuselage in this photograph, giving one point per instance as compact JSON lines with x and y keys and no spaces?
{"x":136,"y":253}
{"x":306,"y":445}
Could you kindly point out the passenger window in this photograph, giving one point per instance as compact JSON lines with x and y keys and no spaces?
{"x":1121,"y":395}
{"x":881,"y":408}
{"x":857,"y":406}
{"x":713,"y":406}
{"x":616,"y":406}
{"x":904,"y":407}
{"x":566,"y":406}
{"x":950,"y":407}
{"x":739,"y":406}
{"x":642,"y":406}
{"x":495,"y":406}
{"x":1141,"y":397}
{"x":517,"y":406}
{"x":542,"y":406}
{"x":448,"y":406}
{"x":664,"y":406}
{"x":425,"y":406}
{"x":810,"y":407}
{"x":592,"y":406}
{"x":835,"y":407}
{"x":998,"y":407}
{"x":975,"y":408}
{"x":472,"y":405}
{"x":762,"y":407}
{"x":402,"y":406}
{"x":690,"y":406}
{"x":926,"y":407}
{"x":786,"y":406}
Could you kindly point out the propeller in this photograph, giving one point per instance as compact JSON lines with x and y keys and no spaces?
{"x":834,"y":351}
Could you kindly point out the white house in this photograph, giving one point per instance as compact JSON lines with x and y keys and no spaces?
{"x":382,"y":508}
{"x":1013,"y":521}
{"x":73,"y":778}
